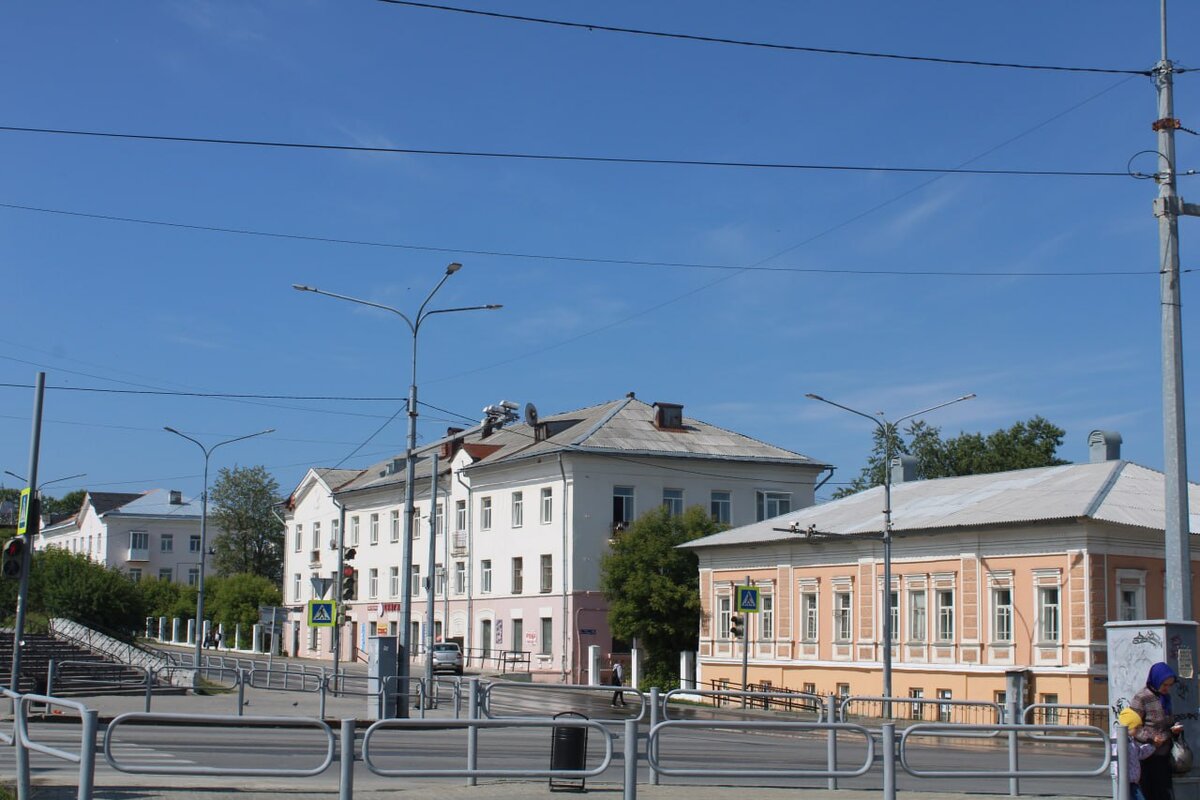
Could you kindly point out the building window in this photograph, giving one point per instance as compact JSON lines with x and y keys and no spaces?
{"x":1048,"y":614}
{"x":945,"y":710}
{"x":460,"y":577}
{"x":439,"y":573}
{"x":394,"y":581}
{"x":460,"y":515}
{"x":843,"y":690}
{"x":139,"y":545}
{"x":518,"y":579}
{"x":395,"y":529}
{"x":193,"y":544}
{"x":808,"y":611}
{"x":372,"y":583}
{"x":353,"y":532}
{"x":945,"y":615}
{"x":296,"y":587}
{"x":298,"y":537}
{"x":316,"y":538}
{"x":193,"y":576}
{"x":622,"y":513}
{"x":135,"y":574}
{"x":547,"y":505}
{"x":335,"y":528}
{"x":547,"y":573}
{"x":724,"y":604}
{"x":166,"y":574}
{"x":167,"y":542}
{"x":810,"y":688}
{"x":439,"y":523}
{"x":772,"y":504}
{"x":917,"y":708}
{"x":673,"y":501}
{"x":518,"y":509}
{"x":485,"y":576}
{"x":547,"y":636}
{"x":1131,"y":604}
{"x":917,"y":616}
{"x":1131,"y":594}
{"x":1050,"y":712}
{"x":373,"y":530}
{"x":720,"y":506}
{"x":894,"y":615}
{"x":841,"y":616}
{"x":766,"y":618}
{"x":485,"y":513}
{"x":1002,"y":614}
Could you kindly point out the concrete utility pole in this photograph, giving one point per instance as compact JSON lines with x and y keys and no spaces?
{"x":1167,"y":207}
{"x":33,"y":524}
{"x":431,"y":572}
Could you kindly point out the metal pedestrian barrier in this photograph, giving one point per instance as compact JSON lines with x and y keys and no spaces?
{"x":85,"y":758}
{"x":487,"y":700}
{"x":946,"y":730}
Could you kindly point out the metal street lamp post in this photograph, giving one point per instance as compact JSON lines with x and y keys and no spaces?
{"x":204,"y":525}
{"x":410,"y":462}
{"x":887,"y":428}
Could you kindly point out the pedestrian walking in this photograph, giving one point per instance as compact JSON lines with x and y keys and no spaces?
{"x":618,"y":680}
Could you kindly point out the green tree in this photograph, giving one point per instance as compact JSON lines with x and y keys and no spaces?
{"x":234,"y":599}
{"x":1032,"y":443}
{"x":63,"y":584}
{"x":69,"y":503}
{"x":167,"y":599}
{"x":251,"y":537}
{"x":652,"y":588}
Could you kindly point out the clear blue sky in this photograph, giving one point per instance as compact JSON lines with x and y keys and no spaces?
{"x":110,"y":304}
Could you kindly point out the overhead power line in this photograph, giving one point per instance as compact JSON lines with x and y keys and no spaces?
{"x":223,"y":395}
{"x":679,"y":162}
{"x":589,"y":26}
{"x":577,"y":259}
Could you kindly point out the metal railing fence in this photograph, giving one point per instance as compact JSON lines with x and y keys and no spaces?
{"x":488,"y":692}
{"x":85,"y":757}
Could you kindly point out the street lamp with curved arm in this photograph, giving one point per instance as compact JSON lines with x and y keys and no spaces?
{"x":410,"y":461}
{"x":208,"y":451}
{"x":887,"y":429}
{"x":46,"y":483}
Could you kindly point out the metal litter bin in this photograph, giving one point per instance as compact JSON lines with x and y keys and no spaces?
{"x":568,"y":750}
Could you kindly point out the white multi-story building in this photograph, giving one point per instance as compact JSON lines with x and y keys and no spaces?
{"x":153,"y":534}
{"x":524,"y":514}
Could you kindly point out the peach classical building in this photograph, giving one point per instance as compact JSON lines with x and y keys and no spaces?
{"x":1013,"y":571}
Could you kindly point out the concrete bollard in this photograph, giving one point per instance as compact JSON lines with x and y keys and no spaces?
{"x":175,"y":629}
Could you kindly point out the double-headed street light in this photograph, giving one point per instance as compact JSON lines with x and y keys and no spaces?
{"x":888,"y":429}
{"x":204,"y":526}
{"x":410,"y":462}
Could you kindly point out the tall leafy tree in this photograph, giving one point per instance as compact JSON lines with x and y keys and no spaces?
{"x":1031,"y":443}
{"x":235,"y":599}
{"x":251,"y":537}
{"x":69,"y":503}
{"x":653,"y":589}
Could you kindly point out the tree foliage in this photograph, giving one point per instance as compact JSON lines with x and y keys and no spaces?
{"x":167,"y":598}
{"x":653,"y":590}
{"x":63,"y":584}
{"x":69,"y":503}
{"x":234,"y":600}
{"x":1032,"y":443}
{"x":251,"y":537}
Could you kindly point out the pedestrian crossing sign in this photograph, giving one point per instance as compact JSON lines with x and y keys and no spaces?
{"x":321,"y":613}
{"x":747,"y":599}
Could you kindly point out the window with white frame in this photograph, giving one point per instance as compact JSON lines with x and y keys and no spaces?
{"x":139,"y":544}
{"x":414,"y":579}
{"x":842,"y":621}
{"x":945,"y":710}
{"x":917,"y":707}
{"x":353,"y":532}
{"x":296,"y":587}
{"x":547,"y":565}
{"x":166,"y":542}
{"x":772,"y":504}
{"x":945,"y":615}
{"x":439,"y":523}
{"x":334,"y":531}
{"x":373,"y":530}
{"x":394,"y":582}
{"x":1002,"y":611}
{"x":166,"y":574}
{"x":298,"y":537}
{"x":394,"y":535}
{"x":439,"y":573}
{"x":372,"y":583}
{"x":518,"y":575}
{"x":808,"y":615}
{"x":460,"y":577}
{"x":547,"y":505}
{"x":1049,"y":624}
{"x":485,"y":513}
{"x":460,"y":515}
{"x":316,"y":536}
{"x":193,"y":576}
{"x":622,"y":510}
{"x":916,"y":615}
{"x":1131,"y":594}
{"x":672,"y":501}
{"x":724,"y":610}
{"x":485,"y":576}
{"x":194,"y":544}
{"x":135,"y":574}
{"x":894,"y":609}
{"x":720,"y":506}
{"x":547,"y":636}
{"x":766,"y":618}
{"x":518,"y":509}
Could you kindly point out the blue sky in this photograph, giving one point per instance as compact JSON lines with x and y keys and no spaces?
{"x":120,"y":305}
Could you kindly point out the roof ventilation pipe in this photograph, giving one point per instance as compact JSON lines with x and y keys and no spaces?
{"x":904,"y":469}
{"x":1104,"y":446}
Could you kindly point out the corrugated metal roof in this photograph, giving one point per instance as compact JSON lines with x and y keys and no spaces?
{"x":104,"y":502}
{"x":1110,"y":491}
{"x":157,"y":503}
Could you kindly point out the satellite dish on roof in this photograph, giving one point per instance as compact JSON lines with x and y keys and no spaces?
{"x":531,"y":417}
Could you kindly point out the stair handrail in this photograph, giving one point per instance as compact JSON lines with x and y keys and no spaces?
{"x":105,"y":645}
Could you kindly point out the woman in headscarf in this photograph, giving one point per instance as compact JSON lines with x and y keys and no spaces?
{"x":1153,"y":704}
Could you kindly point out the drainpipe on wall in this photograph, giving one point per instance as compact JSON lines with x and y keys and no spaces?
{"x":470,"y":561}
{"x":562,"y":471}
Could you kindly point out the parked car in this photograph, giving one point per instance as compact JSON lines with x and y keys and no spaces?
{"x":447,"y":657}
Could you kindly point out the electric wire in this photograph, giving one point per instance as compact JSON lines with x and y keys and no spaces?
{"x":683,"y":162}
{"x":590,"y":27}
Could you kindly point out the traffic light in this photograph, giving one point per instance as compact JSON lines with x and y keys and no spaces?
{"x":14,"y":557}
{"x":737,"y":626}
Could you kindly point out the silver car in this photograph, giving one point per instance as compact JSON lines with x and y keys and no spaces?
{"x":447,"y":657}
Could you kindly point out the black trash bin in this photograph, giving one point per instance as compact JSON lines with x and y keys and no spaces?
{"x":568,"y":750}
